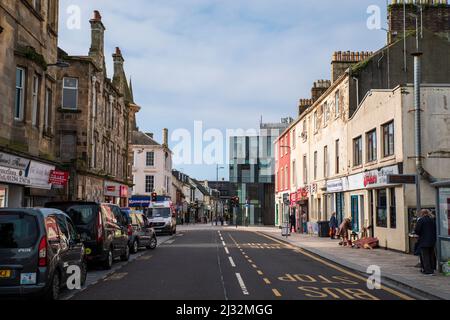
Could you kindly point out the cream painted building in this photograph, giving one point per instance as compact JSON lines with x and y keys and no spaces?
{"x":152,"y":166}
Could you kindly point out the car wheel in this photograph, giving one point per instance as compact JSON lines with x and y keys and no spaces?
{"x":134,"y":246}
{"x":153,"y":243}
{"x":107,"y":264}
{"x":53,"y":291}
{"x":84,"y":271}
{"x":126,"y":255}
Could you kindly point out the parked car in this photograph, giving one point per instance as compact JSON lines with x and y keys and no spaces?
{"x":143,"y":235}
{"x":161,"y":216}
{"x":103,"y":228}
{"x":37,"y":246}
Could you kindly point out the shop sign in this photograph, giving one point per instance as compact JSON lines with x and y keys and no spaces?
{"x":14,"y":176}
{"x":338,"y":185}
{"x":302,"y":194}
{"x":123,"y":191}
{"x":39,"y":174}
{"x":293,"y":198}
{"x":14,"y":162}
{"x":372,"y":179}
{"x":112,"y":189}
{"x":58,"y":178}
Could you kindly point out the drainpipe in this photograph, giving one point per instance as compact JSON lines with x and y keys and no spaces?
{"x":417,"y":126}
{"x":420,"y":170}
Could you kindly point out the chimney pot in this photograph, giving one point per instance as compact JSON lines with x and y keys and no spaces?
{"x":97,"y":16}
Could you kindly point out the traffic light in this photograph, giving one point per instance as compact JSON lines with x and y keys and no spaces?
{"x":154,"y":197}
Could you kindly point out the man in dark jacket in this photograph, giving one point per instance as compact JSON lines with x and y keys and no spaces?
{"x":426,"y":230}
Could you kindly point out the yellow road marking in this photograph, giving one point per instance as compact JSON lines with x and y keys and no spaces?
{"x":267,"y":281}
{"x":255,"y":266}
{"x":276,"y":293}
{"x":299,"y":250}
{"x":250,"y":261}
{"x":260,"y":272}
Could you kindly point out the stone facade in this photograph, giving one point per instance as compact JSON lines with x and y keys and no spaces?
{"x":95,"y":117}
{"x":28,"y":85}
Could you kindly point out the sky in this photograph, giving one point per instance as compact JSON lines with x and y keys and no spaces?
{"x":226,"y":63}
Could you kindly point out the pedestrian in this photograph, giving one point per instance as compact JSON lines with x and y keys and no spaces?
{"x":344,"y":228}
{"x":221,"y":221}
{"x":305,"y":222}
{"x":333,"y":225}
{"x":426,"y":230}
{"x":292,"y":222}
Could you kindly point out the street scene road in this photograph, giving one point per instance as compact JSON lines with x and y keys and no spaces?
{"x":230,"y":264}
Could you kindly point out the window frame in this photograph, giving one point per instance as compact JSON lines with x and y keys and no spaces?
{"x":19,"y":110}
{"x":70,"y":88}
{"x":371,"y":146}
{"x":357,"y":156}
{"x":35,"y":100}
{"x":148,"y":183}
{"x":390,"y":145}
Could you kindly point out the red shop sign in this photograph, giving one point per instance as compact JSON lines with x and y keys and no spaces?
{"x":111,"y":188}
{"x":123,"y":192}
{"x":58,"y":178}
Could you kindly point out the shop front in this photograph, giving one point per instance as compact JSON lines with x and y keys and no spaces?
{"x":377,"y":207}
{"x":116,"y":193}
{"x":302,"y":212}
{"x":336,"y":199}
{"x":25,"y":182}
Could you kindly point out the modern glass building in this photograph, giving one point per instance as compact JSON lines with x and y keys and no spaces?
{"x":252,"y":173}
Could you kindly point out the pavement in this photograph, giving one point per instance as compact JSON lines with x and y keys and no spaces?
{"x":396,"y":268}
{"x":204,"y":262}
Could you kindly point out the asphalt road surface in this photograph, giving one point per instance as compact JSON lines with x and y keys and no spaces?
{"x":232,"y":264}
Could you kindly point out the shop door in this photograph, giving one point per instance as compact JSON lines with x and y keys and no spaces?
{"x":355,"y":213}
{"x":339,"y":207}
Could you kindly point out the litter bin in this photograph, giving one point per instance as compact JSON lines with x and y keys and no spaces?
{"x":324,"y":229}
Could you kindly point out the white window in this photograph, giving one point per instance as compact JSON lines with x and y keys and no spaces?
{"x":150,"y":159}
{"x":149,"y":184}
{"x":70,"y":93}
{"x":20,"y":89}
{"x":337,"y":108}
{"x":315,"y":121}
{"x":35,"y":106}
{"x":326,"y":114}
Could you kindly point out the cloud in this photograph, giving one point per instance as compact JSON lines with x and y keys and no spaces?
{"x":225,"y":62}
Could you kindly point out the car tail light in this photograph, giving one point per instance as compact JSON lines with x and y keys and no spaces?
{"x":130,"y":230}
{"x":99,"y":228}
{"x":43,"y":252}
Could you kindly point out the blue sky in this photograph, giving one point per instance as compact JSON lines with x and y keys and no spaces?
{"x":223,"y":62}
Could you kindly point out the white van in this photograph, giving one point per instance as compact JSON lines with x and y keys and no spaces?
{"x":161,"y":216}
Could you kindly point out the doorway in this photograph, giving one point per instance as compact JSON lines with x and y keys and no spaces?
{"x":355,"y":213}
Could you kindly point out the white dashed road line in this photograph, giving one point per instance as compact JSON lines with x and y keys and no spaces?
{"x":226,"y":250}
{"x":242,"y":284}
{"x":232,"y":262}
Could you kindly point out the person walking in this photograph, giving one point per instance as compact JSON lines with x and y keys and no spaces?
{"x":426,"y":230}
{"x":344,"y":228}
{"x":333,"y":225}
{"x":292,"y":222}
{"x":305,"y":222}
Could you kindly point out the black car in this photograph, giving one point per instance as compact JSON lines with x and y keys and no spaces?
{"x":143,"y":235}
{"x":37,"y":247}
{"x":103,"y":228}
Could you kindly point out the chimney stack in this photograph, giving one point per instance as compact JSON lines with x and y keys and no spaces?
{"x":304,"y":105}
{"x":319,"y":88}
{"x":435,"y":16}
{"x":165,"y":137}
{"x":341,"y":61}
{"x":97,"y":40}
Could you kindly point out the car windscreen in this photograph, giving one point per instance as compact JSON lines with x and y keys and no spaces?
{"x":158,"y":213}
{"x":18,"y":231}
{"x":84,"y":216}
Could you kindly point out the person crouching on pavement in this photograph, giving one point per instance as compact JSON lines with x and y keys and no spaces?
{"x":344,"y":228}
{"x":333,"y":225}
{"x":426,"y":230}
